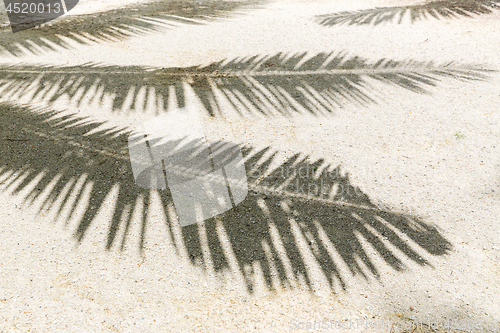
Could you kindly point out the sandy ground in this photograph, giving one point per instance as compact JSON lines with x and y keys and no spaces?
{"x":432,"y":156}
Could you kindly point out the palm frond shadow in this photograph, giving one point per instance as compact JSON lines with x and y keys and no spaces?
{"x":38,"y":143}
{"x":280,"y":83}
{"x":116,"y":24}
{"x":272,"y":230}
{"x":444,"y":9}
{"x":295,"y":212}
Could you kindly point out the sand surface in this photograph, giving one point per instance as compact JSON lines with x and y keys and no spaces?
{"x":412,"y":236}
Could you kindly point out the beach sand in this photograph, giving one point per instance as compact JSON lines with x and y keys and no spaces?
{"x":424,"y":167}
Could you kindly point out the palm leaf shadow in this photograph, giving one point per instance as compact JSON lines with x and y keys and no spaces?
{"x":42,"y":152}
{"x":116,"y":24}
{"x":312,"y":203}
{"x":446,"y":9}
{"x":269,"y":84}
{"x":38,"y":143}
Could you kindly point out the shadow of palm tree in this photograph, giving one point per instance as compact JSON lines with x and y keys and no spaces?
{"x":446,"y":9}
{"x":114,"y":24}
{"x":298,"y":214}
{"x":37,"y":143}
{"x":279,"y":84}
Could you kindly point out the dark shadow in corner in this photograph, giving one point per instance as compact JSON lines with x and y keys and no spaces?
{"x":116,"y":24}
{"x":278,"y":84}
{"x":275,"y":224}
{"x":446,"y":9}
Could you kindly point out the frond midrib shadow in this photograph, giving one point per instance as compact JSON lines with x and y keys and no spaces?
{"x":276,"y":84}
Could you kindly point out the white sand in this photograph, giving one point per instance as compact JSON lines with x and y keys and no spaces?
{"x":401,"y":152}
